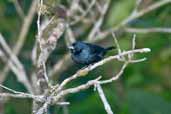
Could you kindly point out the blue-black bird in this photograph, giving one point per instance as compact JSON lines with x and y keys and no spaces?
{"x":85,"y":53}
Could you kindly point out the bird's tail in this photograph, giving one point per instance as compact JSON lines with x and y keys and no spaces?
{"x":110,"y":48}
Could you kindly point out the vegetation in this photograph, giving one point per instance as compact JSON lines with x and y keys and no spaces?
{"x":142,"y":88}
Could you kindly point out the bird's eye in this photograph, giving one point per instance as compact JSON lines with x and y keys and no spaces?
{"x":73,"y":44}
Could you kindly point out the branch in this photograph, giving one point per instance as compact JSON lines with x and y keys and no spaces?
{"x":148,"y":30}
{"x":84,"y":13}
{"x":100,"y":63}
{"x":117,"y":76}
{"x":23,"y":33}
{"x":145,"y":11}
{"x":15,"y":64}
{"x":17,"y":94}
{"x":18,"y":9}
{"x":60,"y":65}
{"x":53,"y":100}
{"x":105,"y":33}
{"x":47,"y":46}
{"x":76,"y":89}
{"x":99,"y":22}
{"x":69,"y":38}
{"x":104,"y":100}
{"x":134,"y":15}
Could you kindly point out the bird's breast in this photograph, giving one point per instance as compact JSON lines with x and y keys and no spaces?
{"x":81,"y":57}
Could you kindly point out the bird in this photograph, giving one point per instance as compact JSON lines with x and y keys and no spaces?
{"x":86,"y":54}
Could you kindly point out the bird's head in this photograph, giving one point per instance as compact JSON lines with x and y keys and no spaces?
{"x":76,"y":47}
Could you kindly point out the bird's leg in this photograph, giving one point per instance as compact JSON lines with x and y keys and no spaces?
{"x":86,"y":66}
{"x":89,"y":66}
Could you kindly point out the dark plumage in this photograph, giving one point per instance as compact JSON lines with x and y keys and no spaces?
{"x":86,"y":53}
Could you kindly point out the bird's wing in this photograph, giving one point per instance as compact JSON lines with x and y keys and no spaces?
{"x":95,"y":49}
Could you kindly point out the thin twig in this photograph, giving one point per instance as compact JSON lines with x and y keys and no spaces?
{"x":59,"y":66}
{"x":118,"y":47}
{"x":19,"y":10}
{"x":116,"y":76}
{"x":104,"y":100}
{"x":70,"y":38}
{"x":133,"y":41}
{"x":38,"y":19}
{"x":84,"y":13}
{"x":144,"y":11}
{"x":148,"y":30}
{"x":130,"y":56}
{"x":132,"y":17}
{"x":116,"y":43}
{"x":99,"y":22}
{"x":76,"y":89}
{"x":18,"y":94}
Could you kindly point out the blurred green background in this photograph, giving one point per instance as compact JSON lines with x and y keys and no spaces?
{"x":144,"y":88}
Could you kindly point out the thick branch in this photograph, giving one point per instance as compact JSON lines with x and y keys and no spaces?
{"x":46,"y":48}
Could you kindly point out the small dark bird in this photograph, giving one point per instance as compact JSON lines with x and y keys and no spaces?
{"x":85,"y":53}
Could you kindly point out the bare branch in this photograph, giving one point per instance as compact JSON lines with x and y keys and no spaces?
{"x":19,"y":9}
{"x":130,"y":56}
{"x":147,"y":30}
{"x":25,"y":27}
{"x":133,"y":41}
{"x":17,"y":94}
{"x":46,"y":48}
{"x":70,"y":38}
{"x":23,"y":33}
{"x":118,"y":47}
{"x":99,"y":22}
{"x":60,"y":65}
{"x":42,"y":109}
{"x":116,"y":76}
{"x":17,"y":66}
{"x":105,"y":33}
{"x":116,"y":43}
{"x":76,"y":89}
{"x":104,"y":100}
{"x":38,"y":19}
{"x":86,"y":70}
{"x":84,"y":13}
{"x":144,"y":11}
{"x":132,"y":17}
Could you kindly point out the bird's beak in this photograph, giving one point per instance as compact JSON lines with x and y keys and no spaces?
{"x":70,"y":47}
